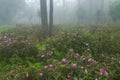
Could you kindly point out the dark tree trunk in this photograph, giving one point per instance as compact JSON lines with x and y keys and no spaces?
{"x":44,"y":18}
{"x":51,"y":18}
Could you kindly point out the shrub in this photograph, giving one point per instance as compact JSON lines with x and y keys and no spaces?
{"x":10,"y":46}
{"x":73,"y":66}
{"x":104,"y":41}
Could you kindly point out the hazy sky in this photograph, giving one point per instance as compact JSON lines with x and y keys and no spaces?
{"x":57,"y":2}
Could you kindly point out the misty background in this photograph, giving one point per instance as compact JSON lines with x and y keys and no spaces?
{"x":65,"y":11}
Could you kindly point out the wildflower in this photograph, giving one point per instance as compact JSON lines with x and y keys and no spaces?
{"x":51,"y":69}
{"x":41,"y":74}
{"x":86,"y":44}
{"x":50,"y":65}
{"x":82,"y":67}
{"x":45,"y":67}
{"x":113,"y":58}
{"x":91,"y":60}
{"x":51,"y":53}
{"x":96,"y":79}
{"x":42,"y":56}
{"x":74,"y":65}
{"x":69,"y":76}
{"x":27,"y":74}
{"x":76,"y":55}
{"x":88,"y":49}
{"x":106,"y":66}
{"x":71,"y":51}
{"x":119,"y":62}
{"x":64,"y":60}
{"x":106,"y":72}
{"x":102,"y":71}
{"x":86,"y":71}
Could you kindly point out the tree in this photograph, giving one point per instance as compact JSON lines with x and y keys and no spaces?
{"x":51,"y":18}
{"x":44,"y":17}
{"x":115,"y":11}
{"x":9,"y":9}
{"x":64,"y":3}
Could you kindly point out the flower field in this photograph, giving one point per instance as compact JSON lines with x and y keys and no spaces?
{"x":72,"y":53}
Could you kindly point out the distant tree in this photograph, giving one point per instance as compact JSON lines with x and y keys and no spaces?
{"x":9,"y":9}
{"x":51,"y":18}
{"x":64,"y":3}
{"x":80,"y":12}
{"x":100,"y":12}
{"x":115,"y":11}
{"x":91,"y":2}
{"x":44,"y":17}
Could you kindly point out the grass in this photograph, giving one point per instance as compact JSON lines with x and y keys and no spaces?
{"x":4,"y":27}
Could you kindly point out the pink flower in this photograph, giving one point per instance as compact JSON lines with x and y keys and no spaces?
{"x":86,"y":44}
{"x":50,"y":65}
{"x":41,"y":74}
{"x":103,"y":71}
{"x":91,"y":60}
{"x":51,"y":69}
{"x":45,"y":67}
{"x":64,"y":60}
{"x":96,"y":79}
{"x":42,"y":56}
{"x":106,"y":72}
{"x":71,"y":51}
{"x":119,"y":62}
{"x":76,"y":56}
{"x":27,"y":74}
{"x":51,"y":53}
{"x":74,"y":65}
{"x":113,"y":58}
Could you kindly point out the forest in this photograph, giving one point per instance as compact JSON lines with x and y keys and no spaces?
{"x":59,"y":39}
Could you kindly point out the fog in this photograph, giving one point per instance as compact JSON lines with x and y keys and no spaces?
{"x":65,"y":11}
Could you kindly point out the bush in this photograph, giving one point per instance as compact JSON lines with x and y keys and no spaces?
{"x":10,"y":46}
{"x":72,"y":66}
{"x":104,"y":41}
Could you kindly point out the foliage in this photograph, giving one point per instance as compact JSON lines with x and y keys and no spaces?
{"x":73,"y":66}
{"x":115,"y":11}
{"x":96,"y":40}
{"x":70,"y":54}
{"x":10,"y":46}
{"x":4,"y":27}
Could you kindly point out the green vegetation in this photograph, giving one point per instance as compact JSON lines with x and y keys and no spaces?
{"x":4,"y":27}
{"x":72,"y":53}
{"x":115,"y":11}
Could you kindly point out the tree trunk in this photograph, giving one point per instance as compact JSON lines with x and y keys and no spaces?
{"x":102,"y":11}
{"x":51,"y":18}
{"x":44,"y":17}
{"x":63,"y":3}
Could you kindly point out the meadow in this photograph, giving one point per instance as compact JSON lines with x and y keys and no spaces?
{"x":87,"y":52}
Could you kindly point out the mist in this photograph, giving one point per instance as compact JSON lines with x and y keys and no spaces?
{"x":65,"y":12}
{"x":59,"y":39}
